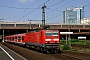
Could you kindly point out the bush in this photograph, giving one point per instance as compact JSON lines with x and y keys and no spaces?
{"x":88,"y":43}
{"x":74,"y":40}
{"x":66,"y":47}
{"x":62,"y":42}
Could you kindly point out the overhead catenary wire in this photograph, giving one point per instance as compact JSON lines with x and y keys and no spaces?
{"x":37,"y":8}
{"x":87,"y":10}
{"x":24,"y":10}
{"x":33,"y":10}
{"x":55,"y":16}
{"x":62,"y":11}
{"x":65,"y":4}
{"x":58,"y":10}
{"x":15,"y":7}
{"x":56,"y":4}
{"x":54,"y":10}
{"x":87,"y":5}
{"x":49,"y":7}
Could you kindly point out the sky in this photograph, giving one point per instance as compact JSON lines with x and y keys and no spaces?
{"x":25,"y":10}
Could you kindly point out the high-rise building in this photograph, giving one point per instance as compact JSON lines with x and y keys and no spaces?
{"x":73,"y":16}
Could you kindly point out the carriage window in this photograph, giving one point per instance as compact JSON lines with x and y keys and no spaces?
{"x":10,"y":38}
{"x":7,"y":38}
{"x":15,"y":37}
{"x":19,"y":38}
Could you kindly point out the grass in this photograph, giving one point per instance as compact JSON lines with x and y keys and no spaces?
{"x":76,"y":41}
{"x":87,"y":50}
{"x":66,"y":47}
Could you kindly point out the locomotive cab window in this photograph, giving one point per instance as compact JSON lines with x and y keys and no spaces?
{"x":51,"y":33}
{"x":55,"y":33}
{"x":48,"y":34}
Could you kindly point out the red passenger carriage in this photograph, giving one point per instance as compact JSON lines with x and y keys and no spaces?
{"x":17,"y":38}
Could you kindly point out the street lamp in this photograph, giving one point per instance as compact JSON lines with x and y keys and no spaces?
{"x":69,"y":38}
{"x":0,"y":22}
{"x":30,"y":23}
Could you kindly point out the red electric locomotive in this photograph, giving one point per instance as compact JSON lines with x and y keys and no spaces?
{"x":46,"y":40}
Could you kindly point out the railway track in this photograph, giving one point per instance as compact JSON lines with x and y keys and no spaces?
{"x":82,"y":46}
{"x":77,"y":55}
{"x":68,"y":55}
{"x":65,"y":57}
{"x":34,"y":55}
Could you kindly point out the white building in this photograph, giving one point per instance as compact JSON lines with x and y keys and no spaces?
{"x":85,"y":21}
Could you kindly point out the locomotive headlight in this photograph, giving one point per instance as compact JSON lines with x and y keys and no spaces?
{"x":57,"y":41}
{"x":46,"y":42}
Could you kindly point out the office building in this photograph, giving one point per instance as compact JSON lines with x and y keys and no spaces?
{"x":73,"y":16}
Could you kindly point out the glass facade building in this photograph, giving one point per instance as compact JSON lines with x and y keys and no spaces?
{"x":73,"y":16}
